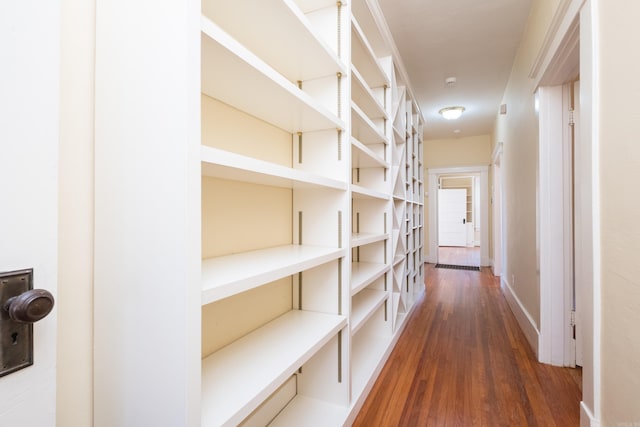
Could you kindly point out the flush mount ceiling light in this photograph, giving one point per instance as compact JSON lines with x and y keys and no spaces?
{"x":451,"y":113}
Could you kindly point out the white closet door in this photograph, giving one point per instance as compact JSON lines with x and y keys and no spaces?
{"x":452,"y":214}
{"x":29,"y":120}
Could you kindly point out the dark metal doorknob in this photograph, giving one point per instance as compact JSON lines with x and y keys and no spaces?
{"x":30,"y":306}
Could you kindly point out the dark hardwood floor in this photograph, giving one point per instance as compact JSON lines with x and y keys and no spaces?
{"x":463,"y":361}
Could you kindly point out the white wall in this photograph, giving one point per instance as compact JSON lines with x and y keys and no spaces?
{"x":619,"y":127}
{"x":454,"y":152}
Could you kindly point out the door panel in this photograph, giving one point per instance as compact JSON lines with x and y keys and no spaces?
{"x":452,"y":214}
{"x":29,"y":105}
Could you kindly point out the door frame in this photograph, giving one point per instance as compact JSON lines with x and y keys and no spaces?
{"x":576,"y":23}
{"x":434,"y":174}
{"x":497,"y":211}
{"x":555,"y":234}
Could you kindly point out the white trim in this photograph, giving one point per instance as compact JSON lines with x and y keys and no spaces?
{"x":381,"y":22}
{"x":554,"y":40}
{"x":526,"y":322}
{"x":590,"y":114}
{"x":565,"y":18}
{"x":434,"y":175}
{"x":550,"y":216}
{"x":497,"y":152}
{"x":497,"y":207}
{"x":568,"y":341}
{"x":586,"y":417}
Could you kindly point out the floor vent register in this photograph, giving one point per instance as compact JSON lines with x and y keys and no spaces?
{"x":458,"y":267}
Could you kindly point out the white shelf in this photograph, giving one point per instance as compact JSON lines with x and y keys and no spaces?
{"x":400,"y":319}
{"x":364,"y":273}
{"x":398,"y":196}
{"x":365,"y":59}
{"x":228,"y":275}
{"x":363,"y":305}
{"x":308,"y":412}
{"x":399,"y":113}
{"x":367,"y":353}
{"x":224,"y":164}
{"x":359,"y":192}
{"x":360,"y":239}
{"x":363,"y":129}
{"x":363,"y":157}
{"x":254,"y":53}
{"x":399,"y":136}
{"x":399,"y":310}
{"x":238,"y":377}
{"x":233,"y":75}
{"x":397,"y":260}
{"x":363,"y":96}
{"x":267,"y":31}
{"x":399,"y":272}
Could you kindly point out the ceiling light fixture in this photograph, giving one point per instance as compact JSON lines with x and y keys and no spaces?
{"x":451,"y":113}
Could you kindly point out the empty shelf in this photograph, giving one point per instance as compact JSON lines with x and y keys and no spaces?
{"x":238,"y":377}
{"x":228,"y":275}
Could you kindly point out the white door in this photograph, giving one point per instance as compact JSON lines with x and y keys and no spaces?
{"x":452,"y":217}
{"x":582,"y":237}
{"x":29,"y":115}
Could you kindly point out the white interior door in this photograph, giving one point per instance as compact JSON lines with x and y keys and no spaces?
{"x":452,"y":217}
{"x":29,"y":116}
{"x":582,"y":236}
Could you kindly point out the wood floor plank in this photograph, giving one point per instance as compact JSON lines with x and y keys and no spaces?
{"x":463,"y":361}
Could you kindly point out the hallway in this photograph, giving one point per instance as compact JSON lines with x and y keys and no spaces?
{"x":456,"y":255}
{"x":464,"y":361}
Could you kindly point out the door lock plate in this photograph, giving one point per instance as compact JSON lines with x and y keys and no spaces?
{"x":16,"y":338}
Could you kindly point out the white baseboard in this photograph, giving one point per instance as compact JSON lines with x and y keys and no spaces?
{"x":586,"y":417}
{"x":523,"y":317}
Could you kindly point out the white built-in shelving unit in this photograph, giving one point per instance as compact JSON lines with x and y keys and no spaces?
{"x":275,"y":233}
{"x":323,"y":75}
